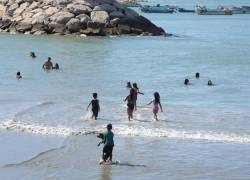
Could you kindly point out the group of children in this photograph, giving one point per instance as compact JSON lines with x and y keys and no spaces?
{"x":131,"y":100}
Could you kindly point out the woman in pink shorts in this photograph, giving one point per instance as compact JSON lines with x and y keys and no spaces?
{"x":156,"y":103}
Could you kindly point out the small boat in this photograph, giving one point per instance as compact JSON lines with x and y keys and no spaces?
{"x":202,"y":10}
{"x":235,"y":10}
{"x":157,"y":9}
{"x":246,"y":9}
{"x":182,"y":10}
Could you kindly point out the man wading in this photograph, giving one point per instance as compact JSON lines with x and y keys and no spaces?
{"x":108,"y":141}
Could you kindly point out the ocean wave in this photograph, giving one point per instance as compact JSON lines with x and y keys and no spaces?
{"x":125,"y":130}
{"x":31,"y":159}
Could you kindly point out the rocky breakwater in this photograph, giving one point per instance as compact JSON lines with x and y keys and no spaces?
{"x":90,"y":17}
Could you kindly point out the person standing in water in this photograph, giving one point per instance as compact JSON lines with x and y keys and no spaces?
{"x":156,"y":103}
{"x":197,"y":75}
{"x":95,"y":106}
{"x":130,"y":103}
{"x":108,"y":141}
{"x":136,"y":92}
{"x":48,"y":64}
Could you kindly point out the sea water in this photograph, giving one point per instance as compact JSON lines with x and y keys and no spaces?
{"x":203,"y":133}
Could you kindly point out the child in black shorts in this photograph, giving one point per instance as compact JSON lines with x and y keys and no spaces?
{"x":95,"y":106}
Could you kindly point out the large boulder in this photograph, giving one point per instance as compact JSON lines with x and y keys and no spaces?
{"x":84,"y":18}
{"x":99,"y":16}
{"x":90,"y":3}
{"x":51,"y":11}
{"x":78,"y":9}
{"x":105,"y":7}
{"x":34,"y":5}
{"x":73,"y":25}
{"x":24,"y":25}
{"x":12,"y":8}
{"x":62,"y":17}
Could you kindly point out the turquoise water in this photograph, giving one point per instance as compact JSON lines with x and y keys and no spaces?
{"x":203,"y":132}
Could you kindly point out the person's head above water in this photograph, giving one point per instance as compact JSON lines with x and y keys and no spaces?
{"x":186,"y":81}
{"x":135,"y":86}
{"x":49,"y":59}
{"x":56,"y":66}
{"x":129,"y":85}
{"x":32,"y":54}
{"x":18,"y":75}
{"x":94,"y":95}
{"x":197,"y":75}
{"x":109,"y":127}
{"x":209,"y":83}
{"x":157,"y":97}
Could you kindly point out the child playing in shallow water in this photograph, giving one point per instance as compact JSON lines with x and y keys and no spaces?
{"x":156,"y":103}
{"x":95,"y":106}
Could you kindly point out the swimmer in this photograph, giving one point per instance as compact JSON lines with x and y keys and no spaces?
{"x":130,"y":103}
{"x":32,"y":54}
{"x":197,"y":75}
{"x":56,"y":67}
{"x":48,"y":64}
{"x":156,"y":103}
{"x":210,"y":83}
{"x":186,"y":81}
{"x":18,"y":75}
{"x":95,"y":106}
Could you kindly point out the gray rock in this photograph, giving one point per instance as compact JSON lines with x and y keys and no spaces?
{"x":100,"y":16}
{"x":56,"y":27}
{"x":63,"y":2}
{"x":37,"y":10}
{"x":78,"y":9}
{"x":90,"y":3}
{"x":39,"y":32}
{"x":131,"y":13}
{"x":17,"y":19}
{"x":123,"y":29}
{"x":2,"y":10}
{"x":34,"y":5}
{"x":73,"y":25}
{"x":62,"y":17}
{"x":84,"y":18}
{"x":116,"y":14}
{"x":24,"y":26}
{"x":4,"y":2}
{"x":18,"y":11}
{"x":105,"y":7}
{"x":12,"y":8}
{"x":49,"y":2}
{"x":39,"y":18}
{"x":24,"y":5}
{"x":51,"y":11}
{"x":27,"y":14}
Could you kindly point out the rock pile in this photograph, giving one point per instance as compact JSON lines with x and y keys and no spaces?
{"x":90,"y":17}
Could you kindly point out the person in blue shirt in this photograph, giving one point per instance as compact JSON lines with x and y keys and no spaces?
{"x":108,"y":140}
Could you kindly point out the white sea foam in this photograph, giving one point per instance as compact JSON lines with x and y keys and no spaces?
{"x":125,"y":130}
